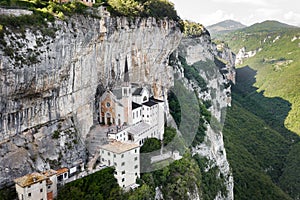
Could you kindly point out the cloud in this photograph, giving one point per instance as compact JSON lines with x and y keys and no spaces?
{"x":268,"y":12}
{"x":216,"y":17}
{"x":293,"y":18}
{"x":253,"y":2}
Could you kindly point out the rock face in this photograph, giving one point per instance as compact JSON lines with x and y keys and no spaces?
{"x":201,"y":52}
{"x":60,"y":86}
{"x":50,"y":86}
{"x":242,"y":54}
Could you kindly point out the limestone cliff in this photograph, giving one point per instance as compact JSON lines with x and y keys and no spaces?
{"x":50,"y":84}
{"x":215,"y":64}
{"x":54,"y":94}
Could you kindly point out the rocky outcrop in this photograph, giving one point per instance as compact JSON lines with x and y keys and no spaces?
{"x":216,"y":67}
{"x":242,"y":54}
{"x":64,"y":74}
{"x":15,"y":12}
{"x":56,"y":144}
{"x":50,"y":84}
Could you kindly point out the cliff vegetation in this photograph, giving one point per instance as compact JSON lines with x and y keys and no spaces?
{"x":143,"y":8}
{"x":192,"y":29}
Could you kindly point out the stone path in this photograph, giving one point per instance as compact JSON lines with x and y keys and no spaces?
{"x":97,"y":137}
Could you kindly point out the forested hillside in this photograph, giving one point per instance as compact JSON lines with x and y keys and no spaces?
{"x":272,"y":49}
{"x":262,"y":125}
{"x":262,"y":153}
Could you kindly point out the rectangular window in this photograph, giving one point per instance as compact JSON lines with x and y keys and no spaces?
{"x":133,"y":115}
{"x":115,"y":164}
{"x":123,"y":163}
{"x":40,"y":182}
{"x":135,"y":167}
{"x":114,"y":155}
{"x":123,"y":172}
{"x":29,"y":194}
{"x":135,"y":151}
{"x":108,"y":153}
{"x":123,"y":179}
{"x":41,"y":190}
{"x":135,"y":158}
{"x":122,"y":156}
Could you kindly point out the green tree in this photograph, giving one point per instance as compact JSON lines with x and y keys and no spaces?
{"x":169,"y":135}
{"x":150,"y":144}
{"x":126,"y":7}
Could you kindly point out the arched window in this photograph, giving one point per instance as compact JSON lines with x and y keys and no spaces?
{"x":145,"y":98}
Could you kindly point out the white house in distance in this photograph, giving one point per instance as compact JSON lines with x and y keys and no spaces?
{"x":125,"y":158}
{"x":36,"y":186}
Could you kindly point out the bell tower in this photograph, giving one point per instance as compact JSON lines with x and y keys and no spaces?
{"x":127,"y":95}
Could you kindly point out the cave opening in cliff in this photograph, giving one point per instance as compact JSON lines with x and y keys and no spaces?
{"x":99,"y":92}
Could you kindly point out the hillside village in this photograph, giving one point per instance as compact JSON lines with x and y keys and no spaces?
{"x":128,"y":115}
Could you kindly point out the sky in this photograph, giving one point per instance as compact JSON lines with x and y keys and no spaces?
{"x":248,"y":12}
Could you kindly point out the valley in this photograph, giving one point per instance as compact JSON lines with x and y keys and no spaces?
{"x":276,"y":49}
{"x":262,"y":126}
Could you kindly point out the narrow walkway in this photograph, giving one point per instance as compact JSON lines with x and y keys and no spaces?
{"x":97,"y":137}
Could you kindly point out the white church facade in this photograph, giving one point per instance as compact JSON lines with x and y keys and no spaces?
{"x":132,"y":115}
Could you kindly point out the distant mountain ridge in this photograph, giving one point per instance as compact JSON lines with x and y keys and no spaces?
{"x":269,"y":26}
{"x":224,"y":27}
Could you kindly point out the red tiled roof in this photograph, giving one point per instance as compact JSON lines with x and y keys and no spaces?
{"x":30,"y":179}
{"x":62,"y":170}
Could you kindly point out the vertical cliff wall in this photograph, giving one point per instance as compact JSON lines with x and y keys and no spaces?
{"x":215,"y":64}
{"x":49,"y":84}
{"x":84,"y":54}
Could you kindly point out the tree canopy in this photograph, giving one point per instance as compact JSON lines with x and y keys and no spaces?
{"x":143,"y":8}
